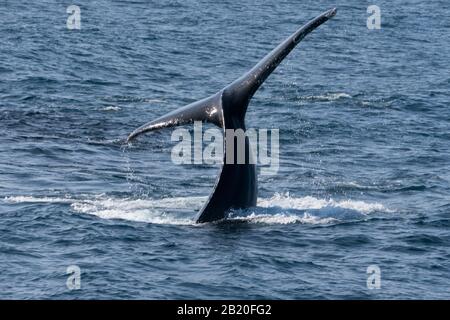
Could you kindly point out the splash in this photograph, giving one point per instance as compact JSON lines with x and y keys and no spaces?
{"x":284,"y":209}
{"x":161,"y":211}
{"x":278,"y":209}
{"x":305,"y":203}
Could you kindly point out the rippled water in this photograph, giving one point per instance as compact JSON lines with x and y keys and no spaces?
{"x":364,"y":175}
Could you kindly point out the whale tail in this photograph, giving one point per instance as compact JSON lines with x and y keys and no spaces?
{"x":236,"y":185}
{"x":236,"y":96}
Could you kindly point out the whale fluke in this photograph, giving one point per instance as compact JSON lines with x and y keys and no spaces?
{"x":236,"y":186}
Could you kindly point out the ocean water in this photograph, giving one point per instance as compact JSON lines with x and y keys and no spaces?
{"x":364,"y":120}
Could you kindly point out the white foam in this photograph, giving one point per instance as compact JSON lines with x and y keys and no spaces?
{"x":305,"y":203}
{"x":30,"y":199}
{"x":284,"y":209}
{"x":148,"y":210}
{"x":280,"y":218}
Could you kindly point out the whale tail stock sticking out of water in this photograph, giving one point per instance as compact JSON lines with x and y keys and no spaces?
{"x":236,"y":186}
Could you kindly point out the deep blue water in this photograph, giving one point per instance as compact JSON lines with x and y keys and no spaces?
{"x":364,"y":178}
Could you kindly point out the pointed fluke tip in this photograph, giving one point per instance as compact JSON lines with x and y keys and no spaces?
{"x":133,"y":135}
{"x":129,"y":139}
{"x":331,"y":13}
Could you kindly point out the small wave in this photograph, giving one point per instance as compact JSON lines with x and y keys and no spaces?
{"x":154,"y":100}
{"x":279,"y":209}
{"x":327,"y":97}
{"x":111,"y":108}
{"x":133,"y":99}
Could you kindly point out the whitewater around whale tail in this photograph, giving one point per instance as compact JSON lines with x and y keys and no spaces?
{"x":236,"y":185}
